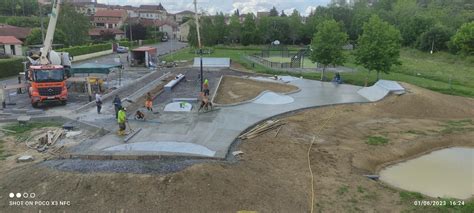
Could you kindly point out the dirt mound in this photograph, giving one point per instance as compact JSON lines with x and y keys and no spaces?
{"x":420,"y":103}
{"x":234,"y":89}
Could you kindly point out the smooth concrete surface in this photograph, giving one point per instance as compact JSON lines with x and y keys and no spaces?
{"x":216,"y":130}
{"x":212,"y":62}
{"x":178,"y":107}
{"x":272,"y":98}
{"x":172,"y":147}
{"x":381,"y":89}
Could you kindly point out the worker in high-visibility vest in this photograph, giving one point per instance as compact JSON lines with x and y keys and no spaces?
{"x":206,"y":87}
{"x":121,"y":120}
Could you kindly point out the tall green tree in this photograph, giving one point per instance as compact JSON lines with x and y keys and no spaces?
{"x":235,"y":29}
{"x":296,"y":29}
{"x":35,"y":37}
{"x":273,"y":11}
{"x":435,"y":39}
{"x":464,"y":38}
{"x":74,"y":25}
{"x":209,"y":35}
{"x":249,"y":30}
{"x":327,"y":45}
{"x":378,"y":46}
{"x":221,"y":28}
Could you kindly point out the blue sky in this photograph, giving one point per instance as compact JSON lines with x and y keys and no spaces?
{"x":227,"y":6}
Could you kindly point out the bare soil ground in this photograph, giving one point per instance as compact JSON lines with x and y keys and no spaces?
{"x":272,"y":175}
{"x":236,"y":89}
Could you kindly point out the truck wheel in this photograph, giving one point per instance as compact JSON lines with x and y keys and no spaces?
{"x":35,"y":104}
{"x":63,"y":103}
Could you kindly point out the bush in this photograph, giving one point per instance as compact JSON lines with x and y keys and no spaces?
{"x":10,"y":67}
{"x":437,"y":36}
{"x":82,"y":50}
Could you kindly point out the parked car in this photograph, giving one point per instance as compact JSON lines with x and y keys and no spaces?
{"x":164,"y":38}
{"x":122,"y":49}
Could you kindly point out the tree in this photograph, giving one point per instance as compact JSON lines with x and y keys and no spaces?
{"x":237,"y":12}
{"x":249,"y":30}
{"x":378,"y":46}
{"x":464,"y":38}
{"x":273,"y":12}
{"x":208,"y":31}
{"x":192,"y":35}
{"x":138,"y":32}
{"x":106,"y":35}
{"x":283,"y":14}
{"x":235,"y":30}
{"x":296,"y":26}
{"x":327,"y":45}
{"x":435,"y":39}
{"x":35,"y":37}
{"x":412,"y":27}
{"x":74,"y":25}
{"x":221,"y":29}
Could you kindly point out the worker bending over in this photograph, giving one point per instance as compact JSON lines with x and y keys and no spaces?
{"x":204,"y":102}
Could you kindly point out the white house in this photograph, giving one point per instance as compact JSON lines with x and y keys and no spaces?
{"x":183,"y":31}
{"x":10,"y":45}
{"x":156,"y":12}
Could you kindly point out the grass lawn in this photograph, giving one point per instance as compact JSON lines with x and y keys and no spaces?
{"x":442,"y":72}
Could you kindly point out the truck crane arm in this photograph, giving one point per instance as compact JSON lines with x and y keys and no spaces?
{"x":48,"y":41}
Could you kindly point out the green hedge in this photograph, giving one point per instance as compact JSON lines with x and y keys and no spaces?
{"x":11,"y":67}
{"x":82,"y":50}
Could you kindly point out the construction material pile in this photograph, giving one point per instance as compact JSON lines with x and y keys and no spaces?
{"x":262,"y":128}
{"x":45,"y":141}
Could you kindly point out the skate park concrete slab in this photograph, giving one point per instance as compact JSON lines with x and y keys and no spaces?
{"x":217,"y":130}
{"x":212,"y":62}
{"x":172,"y":147}
{"x":271,"y":98}
{"x":287,"y":78}
{"x":176,"y":107}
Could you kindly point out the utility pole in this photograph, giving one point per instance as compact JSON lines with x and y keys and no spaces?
{"x":196,"y":19}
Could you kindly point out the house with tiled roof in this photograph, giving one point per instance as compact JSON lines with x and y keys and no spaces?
{"x":18,"y":32}
{"x":110,"y":19}
{"x":152,"y":12}
{"x":10,"y":45}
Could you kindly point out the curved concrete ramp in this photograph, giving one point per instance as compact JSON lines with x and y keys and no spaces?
{"x":272,"y":98}
{"x":380,"y":89}
{"x":171,"y":147}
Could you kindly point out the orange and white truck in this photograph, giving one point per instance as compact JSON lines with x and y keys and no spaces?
{"x":47,"y":73}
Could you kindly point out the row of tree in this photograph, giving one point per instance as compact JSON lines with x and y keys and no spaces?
{"x":72,"y":27}
{"x":424,"y":24}
{"x":378,"y":45}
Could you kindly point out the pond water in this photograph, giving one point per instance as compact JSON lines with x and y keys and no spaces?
{"x":443,"y":173}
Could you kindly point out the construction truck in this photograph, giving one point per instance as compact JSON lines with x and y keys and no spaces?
{"x":47,"y":71}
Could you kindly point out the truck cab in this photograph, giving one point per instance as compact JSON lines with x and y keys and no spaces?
{"x":47,"y":83}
